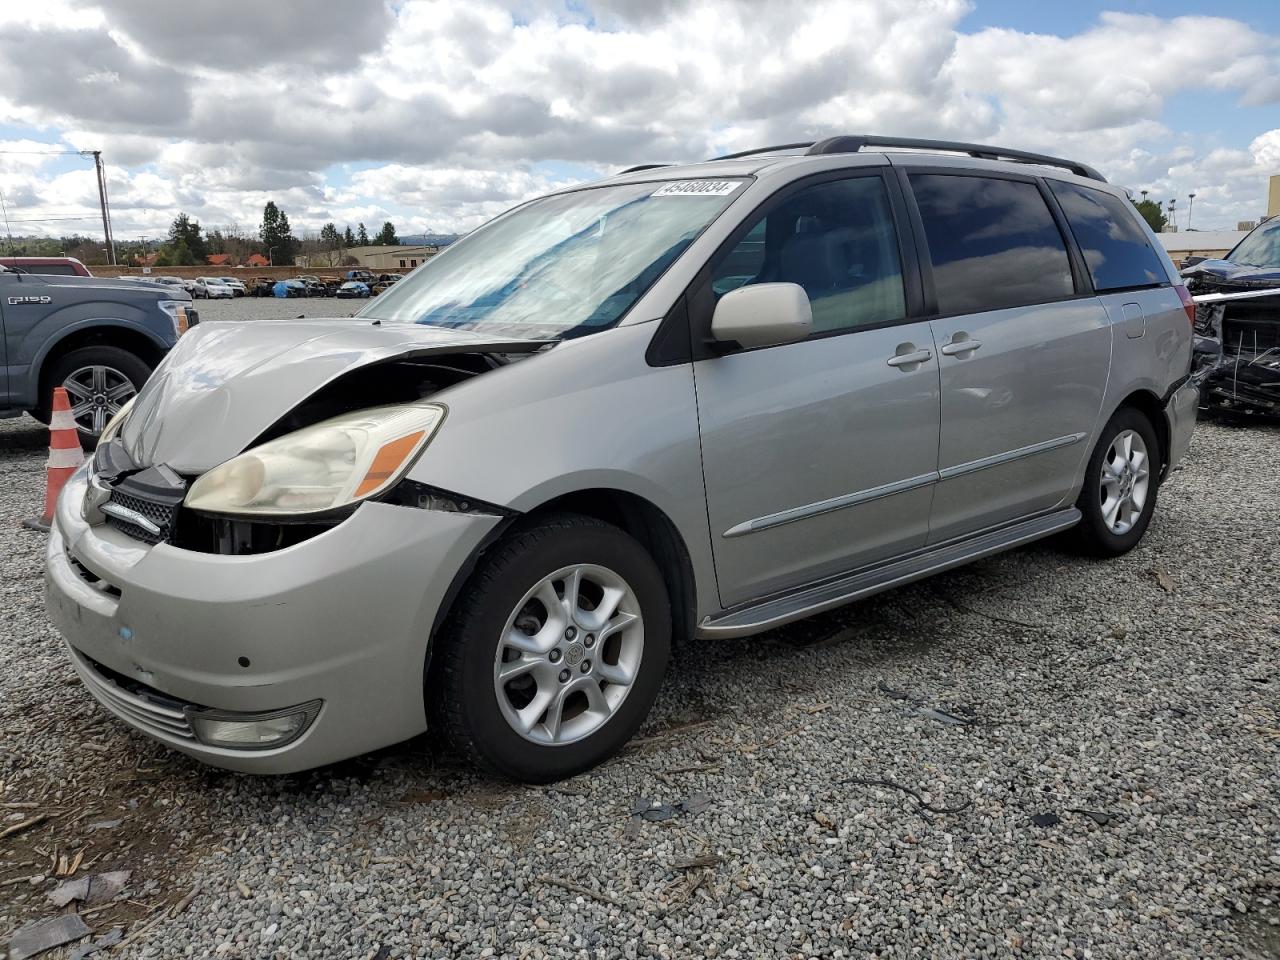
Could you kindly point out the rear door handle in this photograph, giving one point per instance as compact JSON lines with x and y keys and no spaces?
{"x":909,"y":359}
{"x":957,"y":347}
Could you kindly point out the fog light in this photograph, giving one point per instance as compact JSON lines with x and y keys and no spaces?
{"x":252,"y":731}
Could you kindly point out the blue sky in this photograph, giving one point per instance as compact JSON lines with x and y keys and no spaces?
{"x":438,"y":115}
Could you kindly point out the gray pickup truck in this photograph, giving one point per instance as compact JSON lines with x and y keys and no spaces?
{"x":100,"y":338}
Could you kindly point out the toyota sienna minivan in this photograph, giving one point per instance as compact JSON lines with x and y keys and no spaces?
{"x":698,"y":400}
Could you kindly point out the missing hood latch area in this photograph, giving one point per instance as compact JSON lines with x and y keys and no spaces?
{"x":1236,"y":363}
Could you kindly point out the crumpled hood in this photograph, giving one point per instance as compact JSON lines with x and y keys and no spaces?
{"x":1226,"y":272}
{"x":226,"y":382}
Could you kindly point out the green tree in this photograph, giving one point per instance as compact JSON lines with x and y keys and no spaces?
{"x":348,"y":238}
{"x":362,"y":236}
{"x":175,"y":255}
{"x":279,"y":244}
{"x":186,"y":232}
{"x":1153,"y":213}
{"x":387,"y":236}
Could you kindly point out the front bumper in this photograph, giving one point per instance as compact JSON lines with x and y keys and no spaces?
{"x":344,"y":618}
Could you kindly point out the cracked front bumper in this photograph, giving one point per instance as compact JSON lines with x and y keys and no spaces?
{"x":344,"y":618}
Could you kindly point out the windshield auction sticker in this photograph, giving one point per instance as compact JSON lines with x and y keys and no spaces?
{"x":697,"y":188}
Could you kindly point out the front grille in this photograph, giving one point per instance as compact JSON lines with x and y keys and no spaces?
{"x":150,"y":710}
{"x":161,"y":514}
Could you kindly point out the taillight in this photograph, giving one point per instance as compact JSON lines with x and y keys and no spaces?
{"x":1188,"y":304}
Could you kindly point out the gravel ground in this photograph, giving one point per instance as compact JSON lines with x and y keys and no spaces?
{"x":270,"y":308}
{"x":1142,"y":690}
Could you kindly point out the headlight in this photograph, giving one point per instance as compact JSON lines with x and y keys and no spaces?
{"x":327,"y":465}
{"x":116,"y":422}
{"x":177,"y":311}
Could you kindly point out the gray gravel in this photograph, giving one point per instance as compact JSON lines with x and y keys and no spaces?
{"x":271,"y":308}
{"x":1143,"y":690}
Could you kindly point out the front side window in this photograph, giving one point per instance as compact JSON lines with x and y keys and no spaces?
{"x":1116,"y":250}
{"x":993,"y":243}
{"x":837,"y":241}
{"x":560,"y":267}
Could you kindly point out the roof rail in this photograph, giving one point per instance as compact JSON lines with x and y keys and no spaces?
{"x":853,"y":144}
{"x":642,"y":166}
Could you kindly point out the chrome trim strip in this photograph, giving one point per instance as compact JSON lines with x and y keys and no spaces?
{"x":827,"y":506}
{"x":129,"y":516}
{"x":973,"y":466}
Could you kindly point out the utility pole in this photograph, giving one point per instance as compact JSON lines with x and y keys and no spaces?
{"x":101,"y":171}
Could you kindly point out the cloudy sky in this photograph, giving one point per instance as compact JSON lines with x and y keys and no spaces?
{"x":438,"y":114}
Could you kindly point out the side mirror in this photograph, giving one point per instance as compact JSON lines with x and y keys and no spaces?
{"x":763,"y":315}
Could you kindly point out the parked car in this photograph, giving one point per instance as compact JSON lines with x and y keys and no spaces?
{"x":47,"y":266}
{"x":315,"y":287}
{"x":237,"y":287}
{"x":99,"y":338}
{"x":701,"y":400}
{"x":289,"y":288}
{"x":384,"y":282}
{"x":350,"y":289}
{"x":215,"y":288}
{"x":1238,"y":347}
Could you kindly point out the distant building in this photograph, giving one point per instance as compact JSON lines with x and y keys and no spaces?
{"x":219,"y":260}
{"x":257,"y":260}
{"x":1273,"y":197}
{"x":1199,"y":243}
{"x":379,"y":259}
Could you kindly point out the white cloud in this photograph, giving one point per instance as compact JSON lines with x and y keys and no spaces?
{"x":455,"y":106}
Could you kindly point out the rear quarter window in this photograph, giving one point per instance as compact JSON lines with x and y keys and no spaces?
{"x":1116,"y":249}
{"x":993,"y":243}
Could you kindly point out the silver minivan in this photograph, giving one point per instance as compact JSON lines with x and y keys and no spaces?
{"x":696,"y":400}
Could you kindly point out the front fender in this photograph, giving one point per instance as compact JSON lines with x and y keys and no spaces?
{"x":44,"y":338}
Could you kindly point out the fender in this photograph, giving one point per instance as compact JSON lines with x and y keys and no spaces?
{"x":42,"y":340}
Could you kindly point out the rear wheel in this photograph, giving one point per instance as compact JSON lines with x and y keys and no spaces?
{"x":1120,"y":485}
{"x":555,"y":651}
{"x":99,"y":380}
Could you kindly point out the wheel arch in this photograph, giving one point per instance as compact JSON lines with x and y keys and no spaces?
{"x":101,"y":334}
{"x":1150,"y":406}
{"x":630,"y":512}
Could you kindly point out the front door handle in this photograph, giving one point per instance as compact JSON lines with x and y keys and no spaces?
{"x":909,"y":359}
{"x":961,"y":346}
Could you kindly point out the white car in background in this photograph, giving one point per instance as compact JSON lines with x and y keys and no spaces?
{"x":215,"y":287}
{"x":237,"y":287}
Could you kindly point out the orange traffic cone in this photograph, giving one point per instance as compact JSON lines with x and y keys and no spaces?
{"x":65,"y":456}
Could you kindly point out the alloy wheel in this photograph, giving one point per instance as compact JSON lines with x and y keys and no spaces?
{"x":568,"y":655}
{"x":1126,"y":479}
{"x":97,"y":393}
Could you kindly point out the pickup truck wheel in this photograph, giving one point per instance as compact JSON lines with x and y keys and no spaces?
{"x":99,"y":380}
{"x":555,"y":651}
{"x":1120,"y":486}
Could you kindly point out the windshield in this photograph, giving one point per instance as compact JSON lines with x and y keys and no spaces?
{"x":559,"y":267}
{"x":1260,"y":248}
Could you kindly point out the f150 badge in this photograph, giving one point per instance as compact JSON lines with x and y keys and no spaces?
{"x":16,"y":300}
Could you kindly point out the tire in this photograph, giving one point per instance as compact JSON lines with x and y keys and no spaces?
{"x":121,"y":367}
{"x":561,"y":662}
{"x":1111,"y":525}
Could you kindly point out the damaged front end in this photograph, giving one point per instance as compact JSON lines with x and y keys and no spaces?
{"x":1236,"y":361}
{"x":192,"y":465}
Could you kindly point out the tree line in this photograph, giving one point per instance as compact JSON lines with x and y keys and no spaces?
{"x":188,"y":244}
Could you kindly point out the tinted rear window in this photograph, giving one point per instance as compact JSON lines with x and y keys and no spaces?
{"x":993,"y":243}
{"x":1116,"y":250}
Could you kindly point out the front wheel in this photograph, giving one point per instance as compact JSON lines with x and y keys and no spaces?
{"x":1120,"y":486}
{"x":554,"y":652}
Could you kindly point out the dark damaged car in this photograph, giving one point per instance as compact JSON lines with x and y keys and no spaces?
{"x":1237,"y":351}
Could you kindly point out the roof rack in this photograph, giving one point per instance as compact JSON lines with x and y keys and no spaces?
{"x":853,"y":144}
{"x":642,"y":166}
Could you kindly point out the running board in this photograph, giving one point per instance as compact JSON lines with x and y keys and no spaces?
{"x":834,"y":593}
